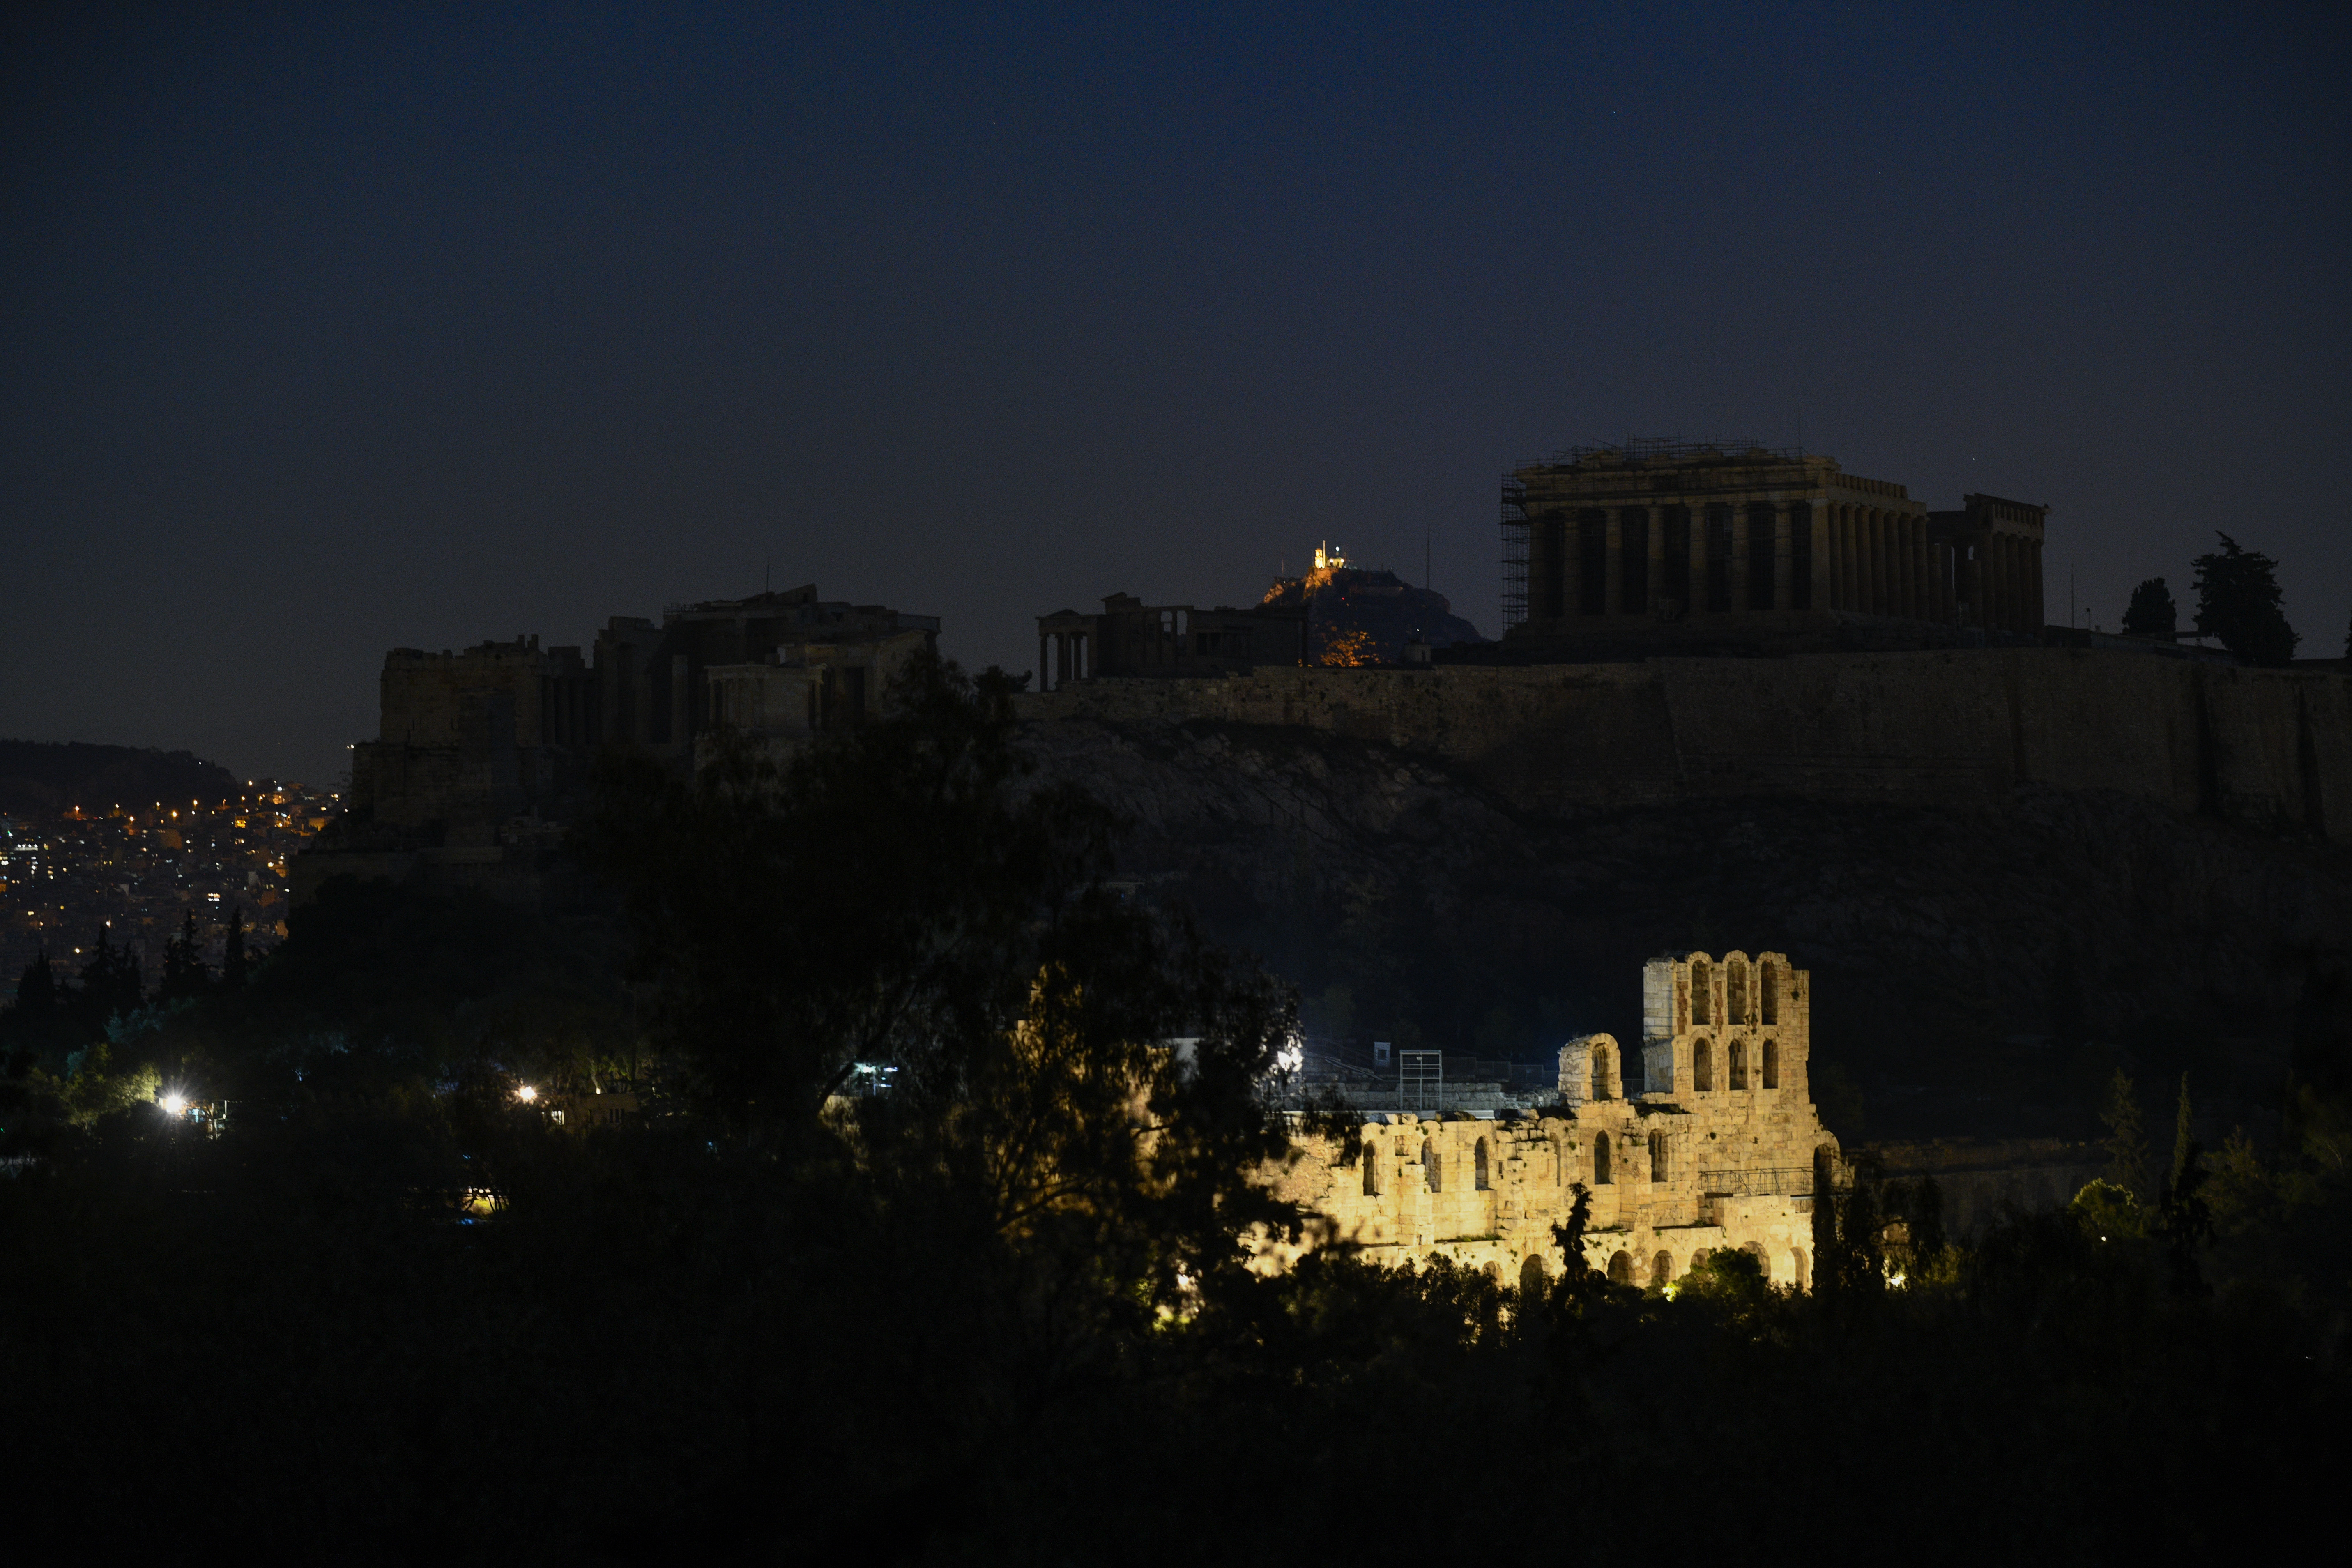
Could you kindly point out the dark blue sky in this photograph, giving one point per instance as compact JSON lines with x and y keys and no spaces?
{"x":327,"y":332}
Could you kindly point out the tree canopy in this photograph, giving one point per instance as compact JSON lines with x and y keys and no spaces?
{"x":2238,"y":601}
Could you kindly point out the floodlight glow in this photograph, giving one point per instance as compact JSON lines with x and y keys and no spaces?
{"x":172,"y":1104}
{"x":525,"y":1094}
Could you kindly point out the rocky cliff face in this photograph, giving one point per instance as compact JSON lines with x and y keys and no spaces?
{"x":1976,"y":971}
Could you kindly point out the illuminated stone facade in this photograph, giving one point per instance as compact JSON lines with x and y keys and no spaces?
{"x":1708,"y":1140}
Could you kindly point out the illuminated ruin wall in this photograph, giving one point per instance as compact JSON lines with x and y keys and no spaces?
{"x":1962,"y":727}
{"x":1707,"y":1138}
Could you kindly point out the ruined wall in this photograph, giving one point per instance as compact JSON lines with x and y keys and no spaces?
{"x":1945,"y":727}
{"x":1673,"y":1172}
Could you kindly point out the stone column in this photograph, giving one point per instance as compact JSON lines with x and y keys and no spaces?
{"x":1045,"y":669}
{"x":1880,"y":600}
{"x":1997,"y":580}
{"x":1783,"y":557}
{"x":1840,"y":557}
{"x":2033,"y":597}
{"x":1613,"y":586}
{"x":1817,"y":523}
{"x":1739,"y":556}
{"x":1571,"y":567}
{"x":1657,"y":532}
{"x":1699,"y":549}
{"x":1923,"y":593}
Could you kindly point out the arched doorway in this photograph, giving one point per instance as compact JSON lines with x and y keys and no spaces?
{"x":1601,"y":1177}
{"x":1662,"y":1269}
{"x":1620,"y":1268}
{"x":1478,"y":1167}
{"x":1531,"y":1277}
{"x":1797,"y":1257}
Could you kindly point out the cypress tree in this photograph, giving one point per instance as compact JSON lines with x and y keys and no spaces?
{"x":37,"y":989}
{"x":184,"y":973}
{"x":2126,"y":1137}
{"x":233,"y":965}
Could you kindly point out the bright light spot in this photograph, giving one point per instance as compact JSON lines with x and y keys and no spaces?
{"x":1896,"y":1278}
{"x":1293,"y":1054}
{"x":172,"y":1104}
{"x":525,"y":1094}
{"x":1673,"y":1290}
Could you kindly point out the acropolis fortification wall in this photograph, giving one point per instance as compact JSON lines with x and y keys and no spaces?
{"x":2265,"y":748}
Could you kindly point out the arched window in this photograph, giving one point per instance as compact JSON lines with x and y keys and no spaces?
{"x":1661,"y":1269}
{"x":1772,"y":1064}
{"x":1771,"y":989}
{"x":1797,"y":1256}
{"x":1763,"y":1259}
{"x":1531,"y":1277}
{"x":1703,"y":1064}
{"x":1702,"y":992}
{"x":1371,"y":1168}
{"x":1657,"y":1156}
{"x":1601,"y":1177}
{"x":1735,"y":985}
{"x":1600,"y":1072}
{"x":1620,"y":1268}
{"x":1429,"y":1166}
{"x":1738,"y":1064}
{"x":1478,"y":1167}
{"x":1698,"y":1259}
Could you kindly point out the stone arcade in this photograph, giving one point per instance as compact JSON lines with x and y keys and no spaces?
{"x":1708,"y":1140}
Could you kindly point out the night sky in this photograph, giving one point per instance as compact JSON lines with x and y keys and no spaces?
{"x":330,"y":332}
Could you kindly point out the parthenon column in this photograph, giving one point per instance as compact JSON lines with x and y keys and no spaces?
{"x":1849,"y":578}
{"x":1044,"y":669}
{"x":1613,"y":573}
{"x":1657,"y":532}
{"x":1923,"y":591}
{"x":1570,"y":538}
{"x":1784,"y":557}
{"x":1736,"y":541}
{"x":2034,"y":588}
{"x":1874,"y":552}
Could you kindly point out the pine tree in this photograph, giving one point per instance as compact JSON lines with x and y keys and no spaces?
{"x":2152,"y":613}
{"x":184,"y":973}
{"x":233,"y":962}
{"x":2238,"y":602}
{"x":2126,"y":1137}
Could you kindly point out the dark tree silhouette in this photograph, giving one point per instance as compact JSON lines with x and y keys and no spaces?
{"x":234,"y":965}
{"x":2152,"y":613}
{"x":109,"y":980}
{"x":185,"y":975}
{"x":2126,"y":1137}
{"x":36,"y":991}
{"x":2238,"y":602}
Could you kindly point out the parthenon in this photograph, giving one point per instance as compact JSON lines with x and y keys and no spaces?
{"x":1727,"y":546}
